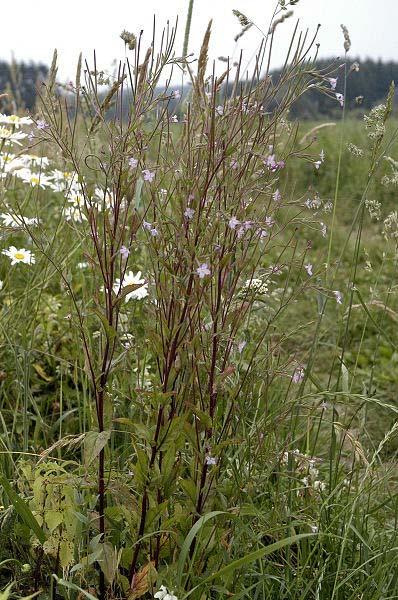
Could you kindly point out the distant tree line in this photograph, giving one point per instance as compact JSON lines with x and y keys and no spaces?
{"x":20,"y":81}
{"x":366,"y":87}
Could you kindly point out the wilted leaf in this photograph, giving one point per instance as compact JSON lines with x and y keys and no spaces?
{"x":142,"y":581}
{"x":41,"y":372}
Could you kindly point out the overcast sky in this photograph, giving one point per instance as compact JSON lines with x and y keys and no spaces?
{"x":72,"y":26}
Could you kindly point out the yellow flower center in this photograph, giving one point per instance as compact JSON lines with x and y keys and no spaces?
{"x":35,"y":180}
{"x":14,"y":119}
{"x":4,"y":133}
{"x":19,"y":255}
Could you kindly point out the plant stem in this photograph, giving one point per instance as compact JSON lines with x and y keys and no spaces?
{"x":336,"y":189}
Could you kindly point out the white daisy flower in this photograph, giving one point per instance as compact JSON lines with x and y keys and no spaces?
{"x":14,"y":120}
{"x":20,"y":255}
{"x":35,"y":161}
{"x":74,"y":213}
{"x":10,"y":220}
{"x":34,"y":179}
{"x":131,"y":279}
{"x":76,"y":199}
{"x":9,"y":164}
{"x":8,"y":136}
{"x":6,"y":158}
{"x":103,"y":199}
{"x":63,"y":180}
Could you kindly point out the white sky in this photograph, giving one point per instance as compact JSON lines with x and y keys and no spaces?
{"x":72,"y":26}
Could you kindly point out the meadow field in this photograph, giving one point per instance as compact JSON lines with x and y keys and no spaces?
{"x":198,"y":334}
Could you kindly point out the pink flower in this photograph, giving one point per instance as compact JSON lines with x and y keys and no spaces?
{"x":308,"y":268}
{"x":133,"y":162}
{"x":233,"y":222}
{"x":277,"y":196}
{"x":339,"y":297}
{"x":298,"y":375}
{"x":270,"y":161}
{"x":269,"y":221}
{"x":241,"y":231}
{"x":333,"y":82}
{"x":149,"y":227}
{"x":234,"y":164}
{"x":124,"y":252}
{"x":41,"y":124}
{"x":340,"y":98}
{"x":203,"y":270}
{"x":189,"y":213}
{"x":148,"y":175}
{"x":272,"y":164}
{"x":176,"y":94}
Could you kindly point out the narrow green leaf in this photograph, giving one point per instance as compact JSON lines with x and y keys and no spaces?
{"x":127,"y":289}
{"x":190,"y":537}
{"x":260,"y":553}
{"x":72,"y":586}
{"x":23,"y":510}
{"x":249,"y":558}
{"x":110,"y":331}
